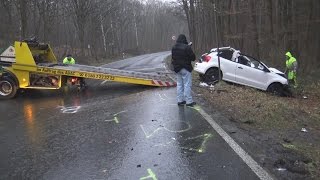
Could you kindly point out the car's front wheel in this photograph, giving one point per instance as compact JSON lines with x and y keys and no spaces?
{"x":212,"y":75}
{"x":276,"y":89}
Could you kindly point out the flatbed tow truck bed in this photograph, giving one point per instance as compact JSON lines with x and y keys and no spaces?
{"x":102,"y":73}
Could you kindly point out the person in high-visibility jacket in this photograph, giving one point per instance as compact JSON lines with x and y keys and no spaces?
{"x":69,"y":60}
{"x":291,"y":69}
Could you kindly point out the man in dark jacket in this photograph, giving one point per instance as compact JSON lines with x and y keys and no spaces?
{"x":182,"y":55}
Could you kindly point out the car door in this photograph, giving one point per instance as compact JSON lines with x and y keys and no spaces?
{"x":228,"y":67}
{"x":251,"y":73}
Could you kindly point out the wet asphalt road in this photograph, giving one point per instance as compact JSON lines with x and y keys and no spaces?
{"x":150,"y":63}
{"x":111,"y":131}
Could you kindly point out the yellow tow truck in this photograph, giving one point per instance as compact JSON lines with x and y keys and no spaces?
{"x":33,"y":65}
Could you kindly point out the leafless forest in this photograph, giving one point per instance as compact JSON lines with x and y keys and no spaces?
{"x":95,"y":28}
{"x":265,"y":29}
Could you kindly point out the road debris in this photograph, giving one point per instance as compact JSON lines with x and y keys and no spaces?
{"x":281,"y":169}
{"x":304,"y":130}
{"x":211,"y":87}
{"x":203,"y":84}
{"x":289,"y":146}
{"x":287,"y":140}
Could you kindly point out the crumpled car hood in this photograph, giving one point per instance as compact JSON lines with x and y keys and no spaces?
{"x":275,"y":70}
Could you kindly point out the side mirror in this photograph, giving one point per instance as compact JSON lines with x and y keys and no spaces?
{"x":190,"y":43}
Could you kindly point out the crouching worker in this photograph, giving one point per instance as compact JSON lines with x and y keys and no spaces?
{"x":70,"y":60}
{"x":291,"y":69}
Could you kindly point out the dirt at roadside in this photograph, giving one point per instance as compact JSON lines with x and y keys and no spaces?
{"x":282,"y":134}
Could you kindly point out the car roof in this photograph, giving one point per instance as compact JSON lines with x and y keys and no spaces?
{"x":222,"y":48}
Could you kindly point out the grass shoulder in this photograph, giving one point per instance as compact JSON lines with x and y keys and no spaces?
{"x":273,"y":116}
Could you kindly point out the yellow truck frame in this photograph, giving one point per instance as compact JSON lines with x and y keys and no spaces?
{"x":36,"y":67}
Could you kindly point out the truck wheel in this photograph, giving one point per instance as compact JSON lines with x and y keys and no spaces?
{"x":8,"y":88}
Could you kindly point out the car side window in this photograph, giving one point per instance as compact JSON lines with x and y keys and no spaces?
{"x":257,"y":65}
{"x":260,"y":66}
{"x":243,"y":60}
{"x":226,"y":54}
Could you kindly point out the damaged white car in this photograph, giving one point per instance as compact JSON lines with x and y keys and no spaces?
{"x":241,"y":69}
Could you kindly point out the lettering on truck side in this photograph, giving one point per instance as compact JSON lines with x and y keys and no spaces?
{"x":97,"y":76}
{"x":74,"y":73}
{"x":70,"y":73}
{"x":51,"y":71}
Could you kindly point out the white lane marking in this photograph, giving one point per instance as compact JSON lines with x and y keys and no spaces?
{"x":103,"y":82}
{"x":254,"y":166}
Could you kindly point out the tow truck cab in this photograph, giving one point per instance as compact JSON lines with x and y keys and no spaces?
{"x":19,"y":65}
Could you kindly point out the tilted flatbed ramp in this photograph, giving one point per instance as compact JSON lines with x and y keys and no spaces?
{"x":110,"y":74}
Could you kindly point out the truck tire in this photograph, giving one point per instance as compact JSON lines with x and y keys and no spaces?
{"x":8,"y":88}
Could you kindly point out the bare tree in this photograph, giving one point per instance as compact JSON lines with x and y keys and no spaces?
{"x":98,"y":28}
{"x":263,"y":28}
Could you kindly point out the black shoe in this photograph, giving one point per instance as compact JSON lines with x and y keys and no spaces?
{"x":191,"y":104}
{"x":181,"y":103}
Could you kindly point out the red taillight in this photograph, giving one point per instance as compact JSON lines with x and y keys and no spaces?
{"x":206,"y":58}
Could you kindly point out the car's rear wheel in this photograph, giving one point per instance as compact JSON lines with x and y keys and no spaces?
{"x":8,"y":88}
{"x":276,"y":89}
{"x":212,"y":75}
